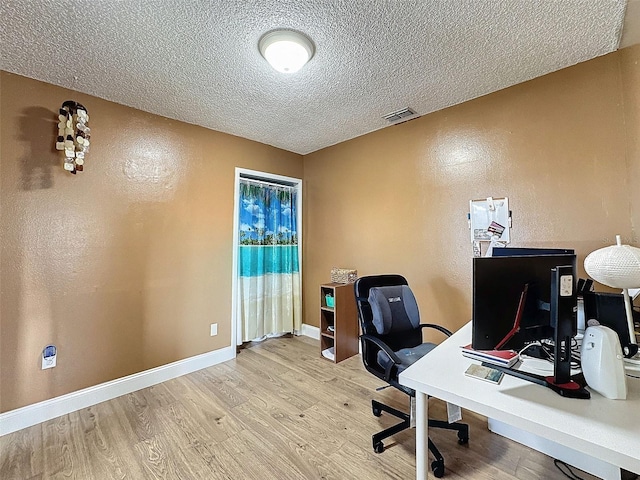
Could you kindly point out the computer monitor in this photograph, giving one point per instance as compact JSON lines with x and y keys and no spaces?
{"x":498,"y":285}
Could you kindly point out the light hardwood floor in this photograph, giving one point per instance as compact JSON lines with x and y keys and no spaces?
{"x":278,"y":411}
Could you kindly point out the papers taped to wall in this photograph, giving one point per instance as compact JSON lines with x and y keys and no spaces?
{"x":490,"y":219}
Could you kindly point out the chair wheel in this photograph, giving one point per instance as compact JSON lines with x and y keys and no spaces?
{"x":378,"y":447}
{"x":463,"y":439}
{"x":377,"y":412}
{"x":438,"y":468}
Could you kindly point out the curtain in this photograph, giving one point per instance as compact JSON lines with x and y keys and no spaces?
{"x":269,"y":271}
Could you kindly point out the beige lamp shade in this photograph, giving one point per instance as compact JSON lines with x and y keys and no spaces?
{"x":617,"y":266}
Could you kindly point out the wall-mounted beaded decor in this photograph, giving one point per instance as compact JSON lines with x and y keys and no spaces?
{"x":73,"y":135}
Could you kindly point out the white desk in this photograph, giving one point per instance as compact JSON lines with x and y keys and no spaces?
{"x":608,"y":430}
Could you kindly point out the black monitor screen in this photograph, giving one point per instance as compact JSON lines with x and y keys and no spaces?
{"x":498,"y":283}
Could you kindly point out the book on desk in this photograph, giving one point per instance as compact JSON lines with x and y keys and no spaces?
{"x":504,"y":358}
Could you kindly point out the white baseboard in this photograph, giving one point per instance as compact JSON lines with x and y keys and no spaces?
{"x":24,"y":417}
{"x":310,"y":331}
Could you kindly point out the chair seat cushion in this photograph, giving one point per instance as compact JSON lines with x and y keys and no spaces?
{"x":407,"y":356}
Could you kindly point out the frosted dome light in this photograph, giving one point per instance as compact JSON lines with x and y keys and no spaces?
{"x":286,"y":51}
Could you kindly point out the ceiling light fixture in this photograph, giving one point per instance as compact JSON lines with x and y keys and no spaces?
{"x":286,"y":50}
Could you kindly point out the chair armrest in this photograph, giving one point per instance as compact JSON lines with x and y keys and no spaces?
{"x":383,"y":346}
{"x":437,"y":327}
{"x":386,"y":349}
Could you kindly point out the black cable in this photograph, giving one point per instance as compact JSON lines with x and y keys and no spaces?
{"x":572,"y":475}
{"x":548,"y":349}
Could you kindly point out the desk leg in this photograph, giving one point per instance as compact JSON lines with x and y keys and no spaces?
{"x":422,"y":436}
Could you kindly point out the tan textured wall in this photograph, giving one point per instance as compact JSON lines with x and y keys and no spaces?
{"x":396,"y":200}
{"x":630,"y":73}
{"x":125,"y":265}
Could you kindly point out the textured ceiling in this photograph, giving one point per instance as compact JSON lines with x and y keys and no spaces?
{"x":198,"y":60}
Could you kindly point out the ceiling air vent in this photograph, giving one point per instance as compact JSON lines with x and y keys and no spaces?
{"x":400,"y":115}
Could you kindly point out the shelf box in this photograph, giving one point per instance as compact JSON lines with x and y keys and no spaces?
{"x":342,"y":316}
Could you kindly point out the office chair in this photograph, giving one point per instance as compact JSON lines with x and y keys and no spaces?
{"x":391,"y":341}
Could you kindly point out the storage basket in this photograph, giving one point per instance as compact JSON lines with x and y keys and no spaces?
{"x":330,"y":301}
{"x":343,"y":275}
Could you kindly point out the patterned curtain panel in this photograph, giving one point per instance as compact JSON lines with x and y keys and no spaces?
{"x":269,"y":283}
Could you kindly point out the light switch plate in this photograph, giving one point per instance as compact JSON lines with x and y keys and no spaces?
{"x":214,"y":329}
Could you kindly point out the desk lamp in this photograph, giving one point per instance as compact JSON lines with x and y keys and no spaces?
{"x":617,"y":266}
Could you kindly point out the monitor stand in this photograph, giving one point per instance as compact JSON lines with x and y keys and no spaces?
{"x":574,"y":388}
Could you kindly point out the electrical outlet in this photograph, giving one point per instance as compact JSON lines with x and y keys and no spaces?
{"x":49,"y":356}
{"x":214,"y":329}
